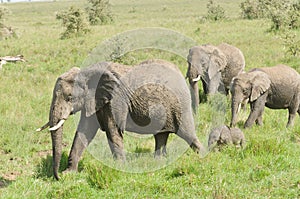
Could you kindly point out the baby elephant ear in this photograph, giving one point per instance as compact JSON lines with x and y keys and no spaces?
{"x":260,"y":84}
{"x":225,"y":135}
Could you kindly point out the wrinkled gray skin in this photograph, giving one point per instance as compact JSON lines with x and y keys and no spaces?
{"x":224,"y":135}
{"x":215,"y":66}
{"x":114,"y":97}
{"x":275,"y":87}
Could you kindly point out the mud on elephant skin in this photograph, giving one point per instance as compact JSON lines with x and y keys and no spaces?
{"x":276,"y":87}
{"x":215,"y":66}
{"x":116,"y":98}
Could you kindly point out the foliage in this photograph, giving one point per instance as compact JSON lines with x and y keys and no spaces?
{"x":291,"y":43}
{"x":99,"y":12}
{"x":284,"y":14}
{"x":74,"y":21}
{"x":252,"y":9}
{"x":215,"y":12}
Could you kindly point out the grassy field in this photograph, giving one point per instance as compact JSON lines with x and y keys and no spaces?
{"x":269,"y":166}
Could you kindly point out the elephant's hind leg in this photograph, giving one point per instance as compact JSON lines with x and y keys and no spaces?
{"x":293,"y":109}
{"x":160,"y":144}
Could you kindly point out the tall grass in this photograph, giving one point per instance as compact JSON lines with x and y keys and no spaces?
{"x":267,"y":168}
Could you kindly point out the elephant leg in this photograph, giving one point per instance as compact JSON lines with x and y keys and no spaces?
{"x":259,"y":121}
{"x":257,"y":108}
{"x":160,"y":144}
{"x":86,"y":131}
{"x":113,"y":133}
{"x":293,"y":109}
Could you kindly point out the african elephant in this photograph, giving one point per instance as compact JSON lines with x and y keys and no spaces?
{"x":114,"y":97}
{"x":275,"y":87}
{"x":225,"y":135}
{"x":215,"y":66}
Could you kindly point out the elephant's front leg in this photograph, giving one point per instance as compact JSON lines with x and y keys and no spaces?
{"x":86,"y":131}
{"x":160,"y":144}
{"x":257,"y":108}
{"x":113,"y":133}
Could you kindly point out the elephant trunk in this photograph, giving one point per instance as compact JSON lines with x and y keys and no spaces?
{"x":56,"y":137}
{"x":194,"y":94}
{"x":235,"y":105}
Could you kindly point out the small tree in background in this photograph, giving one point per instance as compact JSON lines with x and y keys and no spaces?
{"x":75,"y":22}
{"x":99,"y":12}
{"x":284,"y":14}
{"x":215,"y":12}
{"x":252,"y":9}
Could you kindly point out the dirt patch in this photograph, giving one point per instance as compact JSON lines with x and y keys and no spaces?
{"x":44,"y":153}
{"x":11,"y":176}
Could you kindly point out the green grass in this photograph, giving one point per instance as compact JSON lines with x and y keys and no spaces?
{"x":269,"y":166}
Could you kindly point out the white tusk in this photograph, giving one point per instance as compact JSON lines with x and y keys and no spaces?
{"x":58,"y":125}
{"x":239,"y":108}
{"x":43,"y":127}
{"x":197,"y":78}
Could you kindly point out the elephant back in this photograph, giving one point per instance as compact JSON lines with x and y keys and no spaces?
{"x":235,"y":63}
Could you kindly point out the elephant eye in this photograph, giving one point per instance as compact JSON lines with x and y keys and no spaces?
{"x":245,"y":91}
{"x":70,"y":98}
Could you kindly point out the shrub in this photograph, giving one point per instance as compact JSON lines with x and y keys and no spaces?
{"x":215,"y":12}
{"x":75,"y":22}
{"x":252,"y":9}
{"x":99,"y":12}
{"x":291,"y":44}
{"x":284,"y":14}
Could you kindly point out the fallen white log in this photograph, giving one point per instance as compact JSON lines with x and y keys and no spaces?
{"x":13,"y":58}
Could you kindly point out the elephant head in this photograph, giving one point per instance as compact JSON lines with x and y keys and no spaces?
{"x":219,"y":136}
{"x":251,"y":86}
{"x":75,"y":91}
{"x":205,"y":63}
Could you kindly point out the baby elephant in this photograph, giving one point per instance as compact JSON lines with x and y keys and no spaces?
{"x":224,"y":135}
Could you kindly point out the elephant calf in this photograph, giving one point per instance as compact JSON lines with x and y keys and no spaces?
{"x":275,"y":87}
{"x":224,"y":135}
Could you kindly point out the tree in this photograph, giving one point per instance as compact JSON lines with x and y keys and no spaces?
{"x":99,"y":12}
{"x":75,"y":22}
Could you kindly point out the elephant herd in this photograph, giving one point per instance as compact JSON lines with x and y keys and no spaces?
{"x":152,"y":97}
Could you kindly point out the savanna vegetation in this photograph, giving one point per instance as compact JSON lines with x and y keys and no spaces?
{"x":269,"y":166}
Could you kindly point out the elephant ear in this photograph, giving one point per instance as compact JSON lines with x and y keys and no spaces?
{"x":100,"y":91}
{"x":225,"y":136}
{"x":260,"y":84}
{"x":218,"y":62}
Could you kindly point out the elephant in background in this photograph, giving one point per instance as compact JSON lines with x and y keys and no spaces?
{"x":215,"y":66}
{"x":276,"y":87}
{"x":115,"y":98}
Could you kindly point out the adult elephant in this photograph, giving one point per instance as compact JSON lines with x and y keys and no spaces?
{"x":114,"y":97}
{"x":215,"y":66}
{"x":275,"y":87}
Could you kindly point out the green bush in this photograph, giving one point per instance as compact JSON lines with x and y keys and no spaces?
{"x":75,"y":22}
{"x":99,"y":12}
{"x":252,"y":9}
{"x":215,"y":12}
{"x":291,"y":43}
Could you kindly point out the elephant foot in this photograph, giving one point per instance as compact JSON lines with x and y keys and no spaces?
{"x":69,"y":170}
